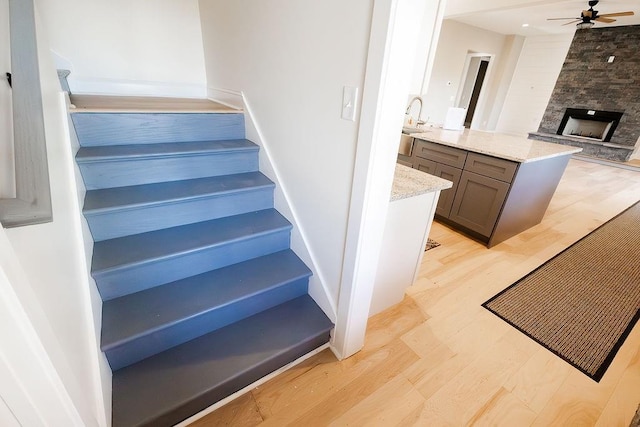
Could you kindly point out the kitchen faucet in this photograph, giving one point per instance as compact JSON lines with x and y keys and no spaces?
{"x":419,"y":99}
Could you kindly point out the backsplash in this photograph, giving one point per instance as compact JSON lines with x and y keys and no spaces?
{"x":589,"y":80}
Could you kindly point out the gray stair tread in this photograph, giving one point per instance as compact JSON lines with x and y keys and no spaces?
{"x":108,"y":199}
{"x":113,"y":152}
{"x":144,"y":312}
{"x":175,"y":241}
{"x":173,"y":385}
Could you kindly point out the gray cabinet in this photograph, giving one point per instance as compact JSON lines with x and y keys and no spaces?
{"x":446,"y":196}
{"x":440,"y":153}
{"x":424,"y":165}
{"x":444,"y":162}
{"x":500,"y":169}
{"x":478,"y":202}
{"x":480,"y":186}
{"x":492,"y":198}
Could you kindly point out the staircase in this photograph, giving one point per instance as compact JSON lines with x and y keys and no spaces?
{"x":202,"y":295}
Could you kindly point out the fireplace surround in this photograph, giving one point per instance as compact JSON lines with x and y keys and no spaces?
{"x":588,"y":82}
{"x":591,"y":124}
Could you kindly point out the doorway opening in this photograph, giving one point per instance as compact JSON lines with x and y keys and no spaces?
{"x":477,"y":68}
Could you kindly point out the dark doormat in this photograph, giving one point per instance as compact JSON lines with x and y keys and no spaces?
{"x":431,"y":244}
{"x":635,"y":422}
{"x":584,"y":302}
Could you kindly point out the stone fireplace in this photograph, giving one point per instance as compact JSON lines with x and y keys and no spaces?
{"x":590,"y":124}
{"x":596,"y":101}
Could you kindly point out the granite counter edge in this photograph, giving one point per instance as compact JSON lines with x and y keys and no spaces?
{"x":408,"y":182}
{"x":506,"y":156}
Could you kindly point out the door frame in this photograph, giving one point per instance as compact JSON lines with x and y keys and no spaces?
{"x":393,"y":45}
{"x":480,"y":105}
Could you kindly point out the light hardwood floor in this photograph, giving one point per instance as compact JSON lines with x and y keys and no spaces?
{"x":137,"y":104}
{"x":440,"y":359}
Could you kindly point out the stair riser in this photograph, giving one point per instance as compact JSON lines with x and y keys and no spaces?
{"x":125,"y":280}
{"x":243,"y":379}
{"x":98,"y":129}
{"x":110,"y":225}
{"x":140,"y":348}
{"x":121,"y":173}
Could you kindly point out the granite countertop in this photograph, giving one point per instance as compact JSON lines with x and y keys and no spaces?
{"x":509,"y":147}
{"x":409,"y":182}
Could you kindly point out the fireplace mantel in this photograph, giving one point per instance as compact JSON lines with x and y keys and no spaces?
{"x":590,"y":146}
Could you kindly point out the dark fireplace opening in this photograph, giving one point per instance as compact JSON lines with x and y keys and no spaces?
{"x":592,"y":124}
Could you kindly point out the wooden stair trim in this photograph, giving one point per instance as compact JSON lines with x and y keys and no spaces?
{"x":144,"y":104}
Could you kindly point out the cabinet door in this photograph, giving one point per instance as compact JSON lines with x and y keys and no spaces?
{"x":478,"y":202}
{"x":424,"y":165}
{"x":443,"y":208}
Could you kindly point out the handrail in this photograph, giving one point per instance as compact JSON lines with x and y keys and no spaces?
{"x":32,"y":204}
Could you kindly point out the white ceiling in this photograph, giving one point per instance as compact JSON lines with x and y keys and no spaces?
{"x":508,"y":16}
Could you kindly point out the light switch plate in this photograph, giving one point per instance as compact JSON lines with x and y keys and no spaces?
{"x":349,"y":100}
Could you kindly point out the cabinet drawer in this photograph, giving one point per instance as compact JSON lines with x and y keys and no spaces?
{"x":425,"y":165}
{"x":501,"y":169}
{"x":440,"y":153}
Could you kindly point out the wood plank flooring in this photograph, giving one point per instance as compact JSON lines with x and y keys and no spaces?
{"x":439,"y":359}
{"x":137,"y":104}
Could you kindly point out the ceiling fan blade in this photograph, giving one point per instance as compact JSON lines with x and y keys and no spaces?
{"x":606,"y":15}
{"x":560,"y":19}
{"x":605,"y":20}
{"x":573,"y":22}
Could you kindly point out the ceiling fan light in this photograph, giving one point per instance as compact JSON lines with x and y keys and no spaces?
{"x":584,"y":25}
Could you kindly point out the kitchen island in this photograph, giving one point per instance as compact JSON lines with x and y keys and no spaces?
{"x":502,"y":184}
{"x":411,"y":209}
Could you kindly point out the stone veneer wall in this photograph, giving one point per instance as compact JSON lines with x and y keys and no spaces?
{"x":588,"y":81}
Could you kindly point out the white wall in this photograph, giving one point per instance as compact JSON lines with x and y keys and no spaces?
{"x":53,"y":258}
{"x":504,"y":72}
{"x":534,"y":79}
{"x":7,"y":418}
{"x":7,"y":180}
{"x":455,"y":42}
{"x":135,"y":47}
{"x":426,"y":45}
{"x":464,"y":7}
{"x":30,"y":384}
{"x":291,"y":59}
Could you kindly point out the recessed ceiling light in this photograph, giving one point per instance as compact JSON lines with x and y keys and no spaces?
{"x":525,"y":25}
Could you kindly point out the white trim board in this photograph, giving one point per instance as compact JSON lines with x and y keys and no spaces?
{"x":395,"y":30}
{"x":95,"y":86}
{"x":227,"y":97}
{"x":318,"y":289}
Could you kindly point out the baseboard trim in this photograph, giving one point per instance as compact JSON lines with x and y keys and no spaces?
{"x":604,"y":162}
{"x":90,"y":86}
{"x":318,"y":289}
{"x":227,"y":97}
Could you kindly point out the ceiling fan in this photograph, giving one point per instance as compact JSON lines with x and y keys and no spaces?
{"x":588,"y":16}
